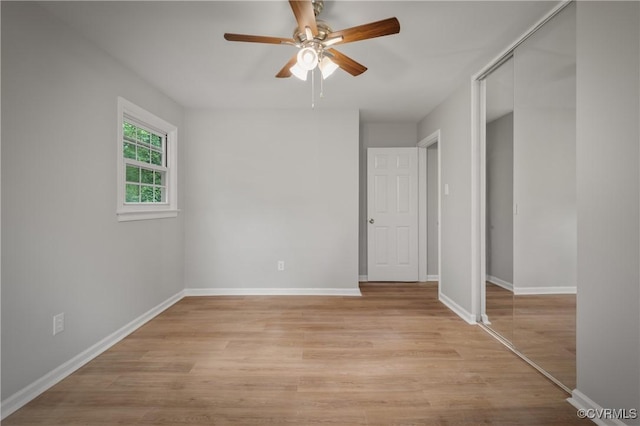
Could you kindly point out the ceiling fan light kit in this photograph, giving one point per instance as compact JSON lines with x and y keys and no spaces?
{"x":299,"y":72}
{"x":313,"y":39}
{"x":327,"y":67}
{"x":307,"y":58}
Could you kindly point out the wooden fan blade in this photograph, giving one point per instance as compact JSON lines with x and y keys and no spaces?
{"x":346,"y":63}
{"x":303,"y":11}
{"x":367,"y":31}
{"x":285,"y":72}
{"x":258,"y":39}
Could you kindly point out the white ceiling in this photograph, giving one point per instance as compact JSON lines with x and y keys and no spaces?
{"x":179,"y":48}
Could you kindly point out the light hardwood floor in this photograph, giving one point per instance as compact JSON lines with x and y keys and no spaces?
{"x":545,"y":331}
{"x":542,"y":327}
{"x":394,"y":356}
{"x":499,"y":309}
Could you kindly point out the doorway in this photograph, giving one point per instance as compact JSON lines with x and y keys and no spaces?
{"x":428,"y":215}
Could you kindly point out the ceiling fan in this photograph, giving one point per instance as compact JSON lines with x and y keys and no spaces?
{"x":314,"y":39}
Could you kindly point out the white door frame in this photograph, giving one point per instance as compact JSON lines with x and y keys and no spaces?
{"x":422,"y":206}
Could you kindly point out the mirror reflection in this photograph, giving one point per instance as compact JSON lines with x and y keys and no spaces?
{"x":499,"y":200}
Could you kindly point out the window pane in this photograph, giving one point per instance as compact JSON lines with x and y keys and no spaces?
{"x":146,"y":194}
{"x":158,"y":198}
{"x":143,"y":154}
{"x":144,"y":136}
{"x":133,"y":193}
{"x":147,"y":176}
{"x":129,"y":130}
{"x":129,"y":151}
{"x":133,"y":174}
{"x":158,"y":178}
{"x":156,"y":141}
{"x":156,"y":158}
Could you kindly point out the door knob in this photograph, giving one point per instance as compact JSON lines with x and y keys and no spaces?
{"x":371,"y":221}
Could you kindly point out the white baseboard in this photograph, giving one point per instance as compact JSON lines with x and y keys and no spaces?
{"x":544,"y":290}
{"x":530,"y":290}
{"x":593,"y":409}
{"x":272,"y":292}
{"x":30,"y":392}
{"x":457,"y":309}
{"x":364,"y":278}
{"x":500,"y":283}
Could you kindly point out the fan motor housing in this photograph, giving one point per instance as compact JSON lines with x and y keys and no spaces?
{"x":324,"y":30}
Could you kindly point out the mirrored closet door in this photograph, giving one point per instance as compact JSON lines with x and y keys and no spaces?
{"x":530,"y":198}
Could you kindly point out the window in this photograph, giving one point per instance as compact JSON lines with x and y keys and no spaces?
{"x":147,"y":165}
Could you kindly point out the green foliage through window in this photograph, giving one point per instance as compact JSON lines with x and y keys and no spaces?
{"x":143,"y":145}
{"x":143,"y":185}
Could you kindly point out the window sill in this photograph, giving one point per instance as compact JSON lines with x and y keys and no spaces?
{"x":127,"y":216}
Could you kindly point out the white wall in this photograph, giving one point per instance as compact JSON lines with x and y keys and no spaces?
{"x":270,"y":185}
{"x":608,"y":196}
{"x":378,"y":135}
{"x":453,"y":118}
{"x":63,"y":249}
{"x":544,"y":157}
{"x":499,"y":250}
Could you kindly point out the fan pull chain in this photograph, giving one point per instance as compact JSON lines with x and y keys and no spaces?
{"x":321,"y":87}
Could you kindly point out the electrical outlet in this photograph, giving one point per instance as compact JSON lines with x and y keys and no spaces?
{"x":280,"y":265}
{"x":58,"y":323}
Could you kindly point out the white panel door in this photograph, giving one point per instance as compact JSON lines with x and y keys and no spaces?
{"x":392,"y":205}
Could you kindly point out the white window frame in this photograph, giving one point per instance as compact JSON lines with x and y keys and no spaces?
{"x":142,"y":211}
